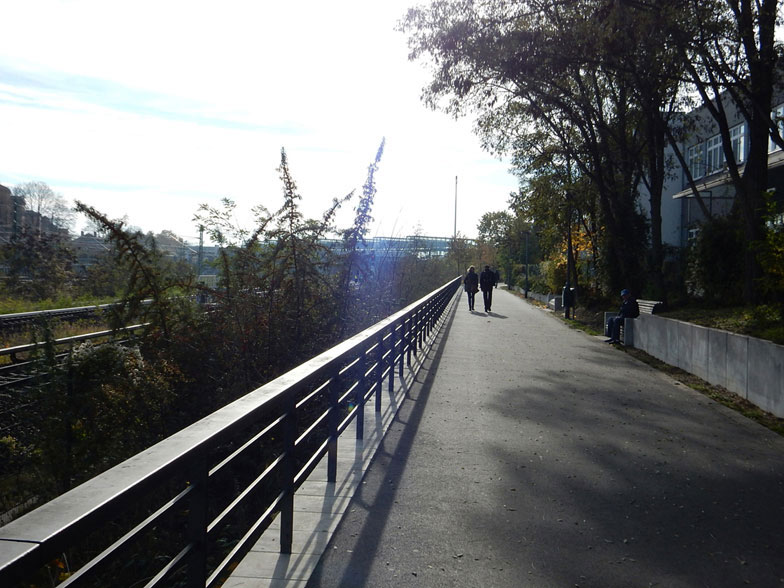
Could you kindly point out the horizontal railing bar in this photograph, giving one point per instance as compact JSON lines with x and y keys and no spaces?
{"x":244,"y":494}
{"x":251,"y":536}
{"x":311,"y":464}
{"x":319,"y":421}
{"x":237,"y":452}
{"x":170,"y":567}
{"x":94,"y":565}
{"x":313,"y":394}
{"x":348,"y":367}
{"x":346,"y":422}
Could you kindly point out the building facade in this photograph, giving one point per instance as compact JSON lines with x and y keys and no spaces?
{"x":703,"y":152}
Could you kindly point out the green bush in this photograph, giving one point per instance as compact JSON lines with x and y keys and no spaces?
{"x":553,"y":274}
{"x":716,"y":262}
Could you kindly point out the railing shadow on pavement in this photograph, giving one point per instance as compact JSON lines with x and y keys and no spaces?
{"x":186,"y":510}
{"x":381,"y":500}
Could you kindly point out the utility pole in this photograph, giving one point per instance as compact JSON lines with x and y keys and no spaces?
{"x":201,"y":249}
{"x":454,"y":235}
{"x":455,"y":230}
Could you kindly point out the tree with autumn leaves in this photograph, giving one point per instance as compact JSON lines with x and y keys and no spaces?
{"x":592,"y":92}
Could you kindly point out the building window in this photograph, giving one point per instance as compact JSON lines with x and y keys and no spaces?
{"x":738,"y":141}
{"x":695,"y":160}
{"x":692,"y":235}
{"x":778,"y":117}
{"x":714,"y":155}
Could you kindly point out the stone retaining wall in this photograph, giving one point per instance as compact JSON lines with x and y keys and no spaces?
{"x":750,"y":367}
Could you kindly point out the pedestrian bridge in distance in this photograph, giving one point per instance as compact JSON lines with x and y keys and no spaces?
{"x":441,"y":447}
{"x":394,"y":247}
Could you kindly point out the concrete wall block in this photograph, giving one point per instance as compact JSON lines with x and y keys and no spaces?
{"x":652,"y":336}
{"x":671,"y":351}
{"x":684,"y":336}
{"x":717,"y":357}
{"x":749,"y":367}
{"x":640,"y":335}
{"x":737,"y":364}
{"x":699,"y":351}
{"x":642,"y":338}
{"x":766,"y":376}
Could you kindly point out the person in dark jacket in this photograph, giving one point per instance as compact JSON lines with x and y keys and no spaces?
{"x":471,"y":286}
{"x":629,"y":309}
{"x":487,"y":282}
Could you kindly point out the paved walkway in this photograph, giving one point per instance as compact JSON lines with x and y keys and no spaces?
{"x":535,"y":455}
{"x":529,"y":454}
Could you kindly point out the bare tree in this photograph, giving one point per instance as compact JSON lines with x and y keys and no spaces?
{"x":46,"y":203}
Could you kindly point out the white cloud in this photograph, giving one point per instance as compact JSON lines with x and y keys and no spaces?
{"x":150,"y":108}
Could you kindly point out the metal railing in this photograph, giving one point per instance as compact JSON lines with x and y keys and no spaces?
{"x":185,"y":511}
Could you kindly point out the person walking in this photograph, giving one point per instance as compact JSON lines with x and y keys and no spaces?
{"x":471,"y":286}
{"x":487,"y":282}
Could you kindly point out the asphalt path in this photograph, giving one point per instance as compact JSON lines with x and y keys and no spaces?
{"x":531,"y":454}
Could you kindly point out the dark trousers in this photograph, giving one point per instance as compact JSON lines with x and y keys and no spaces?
{"x":614,"y":327}
{"x":488,"y":296}
{"x":471,"y":297}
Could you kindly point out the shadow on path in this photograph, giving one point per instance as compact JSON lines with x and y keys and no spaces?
{"x":378,"y":495}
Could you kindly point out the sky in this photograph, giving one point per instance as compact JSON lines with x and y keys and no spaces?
{"x":147,"y":109}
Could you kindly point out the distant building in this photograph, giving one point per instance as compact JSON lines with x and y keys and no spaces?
{"x":170,"y":245}
{"x":703,"y":151}
{"x":88,"y":248}
{"x":11,"y":208}
{"x":14,"y":217}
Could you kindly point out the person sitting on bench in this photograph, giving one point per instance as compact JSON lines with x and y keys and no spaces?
{"x":629,"y":309}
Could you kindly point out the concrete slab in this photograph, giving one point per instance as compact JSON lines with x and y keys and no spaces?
{"x":700,"y":347}
{"x":737,"y":364}
{"x":766,"y":375}
{"x":717,"y":357}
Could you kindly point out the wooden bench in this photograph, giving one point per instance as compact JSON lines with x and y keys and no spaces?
{"x":627,"y":328}
{"x":650,"y":306}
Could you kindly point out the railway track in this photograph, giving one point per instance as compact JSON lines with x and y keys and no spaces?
{"x":17,"y":321}
{"x":20,"y":378}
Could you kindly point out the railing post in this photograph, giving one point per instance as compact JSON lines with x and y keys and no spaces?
{"x":379,"y":370}
{"x":332,"y":423}
{"x":402,"y":349}
{"x":418,"y":332}
{"x":359,"y":395}
{"x":392,"y":359}
{"x":409,"y":339}
{"x":288,"y":469}
{"x":197,"y":526}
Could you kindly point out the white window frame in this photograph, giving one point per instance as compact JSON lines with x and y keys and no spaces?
{"x":777,"y":115}
{"x":738,"y":142}
{"x":714,"y":155}
{"x":695,"y":160}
